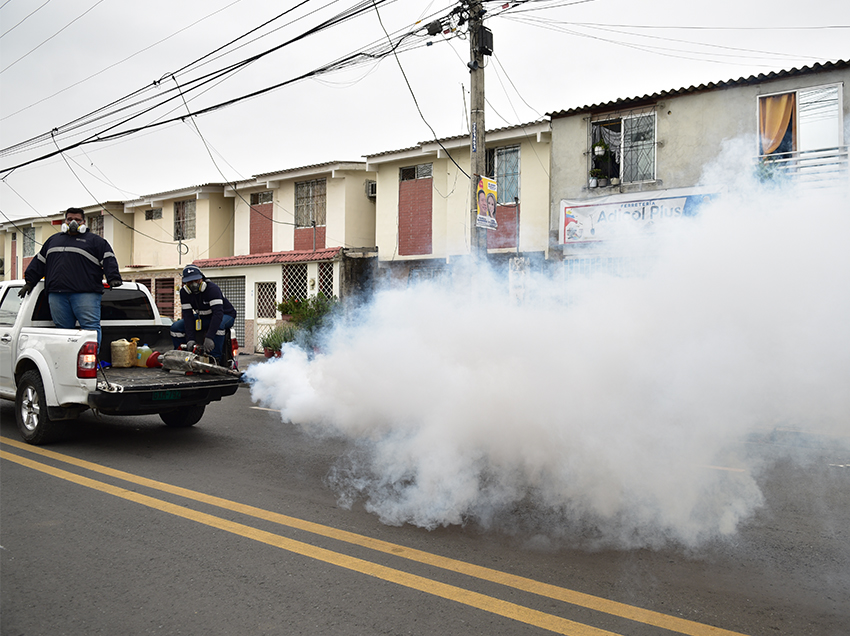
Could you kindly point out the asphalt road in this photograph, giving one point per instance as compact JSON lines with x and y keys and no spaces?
{"x":128,"y":527}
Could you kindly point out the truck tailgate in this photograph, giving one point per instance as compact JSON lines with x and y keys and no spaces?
{"x":146,"y":391}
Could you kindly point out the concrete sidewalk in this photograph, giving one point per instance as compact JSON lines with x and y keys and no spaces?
{"x":246,"y":359}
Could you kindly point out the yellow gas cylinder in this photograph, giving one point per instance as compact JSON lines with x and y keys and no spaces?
{"x":142,"y":354}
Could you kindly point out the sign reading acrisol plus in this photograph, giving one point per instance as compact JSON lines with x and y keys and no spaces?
{"x":623,"y":215}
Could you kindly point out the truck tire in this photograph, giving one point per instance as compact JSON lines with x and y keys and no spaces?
{"x":183,"y":417}
{"x":35,"y":425}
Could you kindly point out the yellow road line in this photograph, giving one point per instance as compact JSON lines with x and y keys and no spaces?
{"x":649,"y":617}
{"x":435,"y":588}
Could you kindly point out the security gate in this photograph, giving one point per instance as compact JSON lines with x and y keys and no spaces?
{"x":265,"y":312}
{"x":233,"y":288}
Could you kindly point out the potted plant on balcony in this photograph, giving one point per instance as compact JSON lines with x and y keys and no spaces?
{"x":595,"y":175}
{"x":273,"y":341}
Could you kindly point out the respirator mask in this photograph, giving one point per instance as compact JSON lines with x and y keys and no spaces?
{"x":74,"y":227}
{"x":195,"y":286}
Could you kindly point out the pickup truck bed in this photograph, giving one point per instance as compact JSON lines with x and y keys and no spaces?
{"x":146,"y":391}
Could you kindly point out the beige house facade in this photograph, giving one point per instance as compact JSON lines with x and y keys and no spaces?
{"x":301,"y":232}
{"x":424,"y":196}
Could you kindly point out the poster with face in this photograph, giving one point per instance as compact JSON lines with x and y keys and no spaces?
{"x":486,"y":203}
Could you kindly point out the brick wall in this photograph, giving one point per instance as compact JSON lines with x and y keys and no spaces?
{"x":25,"y":262}
{"x":304,"y":238}
{"x":415,"y":230}
{"x":505,"y":236}
{"x":262,"y":228}
{"x":15,"y":261}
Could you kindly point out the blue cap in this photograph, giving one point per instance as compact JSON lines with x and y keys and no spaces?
{"x":190,"y":272}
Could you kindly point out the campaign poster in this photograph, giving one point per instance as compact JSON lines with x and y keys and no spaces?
{"x":486,"y":202}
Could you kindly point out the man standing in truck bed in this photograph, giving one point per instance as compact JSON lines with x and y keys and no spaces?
{"x":215,"y":314}
{"x":74,"y":264}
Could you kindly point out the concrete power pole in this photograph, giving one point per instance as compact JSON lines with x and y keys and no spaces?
{"x":480,"y":44}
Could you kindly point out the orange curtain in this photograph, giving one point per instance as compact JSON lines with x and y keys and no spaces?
{"x":775,"y":113}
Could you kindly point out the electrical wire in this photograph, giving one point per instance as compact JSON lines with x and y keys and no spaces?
{"x":736,"y":54}
{"x":368,"y":53}
{"x":24,"y":19}
{"x":31,"y":51}
{"x":118,"y":63}
{"x":110,"y":133}
{"x":413,"y":95}
{"x":103,"y":207}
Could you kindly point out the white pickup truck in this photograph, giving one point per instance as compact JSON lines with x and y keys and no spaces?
{"x":54,"y":374}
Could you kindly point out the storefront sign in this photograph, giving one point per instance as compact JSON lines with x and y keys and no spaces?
{"x":623,"y":215}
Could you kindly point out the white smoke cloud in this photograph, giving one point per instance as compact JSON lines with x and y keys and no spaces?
{"x":614,"y":415}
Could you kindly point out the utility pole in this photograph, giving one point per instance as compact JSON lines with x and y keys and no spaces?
{"x":480,"y":44}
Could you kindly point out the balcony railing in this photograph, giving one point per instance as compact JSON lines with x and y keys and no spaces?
{"x":821,"y":168}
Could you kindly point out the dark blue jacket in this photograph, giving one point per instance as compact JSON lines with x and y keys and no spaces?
{"x":74,"y":263}
{"x":210,"y":304}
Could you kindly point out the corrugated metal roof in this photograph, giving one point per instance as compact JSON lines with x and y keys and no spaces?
{"x":326,"y":164}
{"x":177,"y":192}
{"x":711,"y":86}
{"x":452,"y":138}
{"x":270,"y":258}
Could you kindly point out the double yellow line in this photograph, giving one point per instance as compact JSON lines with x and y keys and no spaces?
{"x":490,"y":604}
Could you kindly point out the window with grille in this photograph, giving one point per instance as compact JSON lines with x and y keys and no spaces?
{"x":95,"y":224}
{"x":259,"y":198}
{"x":266,"y":300}
{"x":503,"y":166}
{"x":805,"y":119}
{"x":29,"y":241}
{"x":294,"y":278}
{"x":184,"y":220}
{"x":422,"y":171}
{"x":153,"y":215}
{"x":233,"y":288}
{"x":623,"y":146}
{"x":326,"y":279}
{"x":310,"y":202}
{"x":164,"y":296}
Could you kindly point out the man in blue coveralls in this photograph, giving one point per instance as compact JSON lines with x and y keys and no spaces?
{"x":74,"y":264}
{"x":215,"y":314}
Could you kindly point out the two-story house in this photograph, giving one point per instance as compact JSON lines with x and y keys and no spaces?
{"x":425,"y":193}
{"x":631,"y":163}
{"x":169,"y":230}
{"x":299,"y":232}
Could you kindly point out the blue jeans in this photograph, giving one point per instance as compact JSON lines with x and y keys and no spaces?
{"x":67,"y":308}
{"x":178,"y":334}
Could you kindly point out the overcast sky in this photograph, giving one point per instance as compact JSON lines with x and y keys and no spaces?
{"x":61,"y":60}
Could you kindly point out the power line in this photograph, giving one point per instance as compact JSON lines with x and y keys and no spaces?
{"x":666,"y":51}
{"x":201,"y":81}
{"x":129,"y":57}
{"x":24,"y":19}
{"x":369,"y":53}
{"x":737,"y":50}
{"x":413,"y":95}
{"x":50,"y":38}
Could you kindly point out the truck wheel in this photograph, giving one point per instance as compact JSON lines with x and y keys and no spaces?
{"x":184,"y":416}
{"x":35,"y":425}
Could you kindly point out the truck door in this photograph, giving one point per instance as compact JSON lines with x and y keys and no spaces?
{"x":10,"y":305}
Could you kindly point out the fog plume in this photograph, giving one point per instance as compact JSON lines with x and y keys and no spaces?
{"x":607,"y":406}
